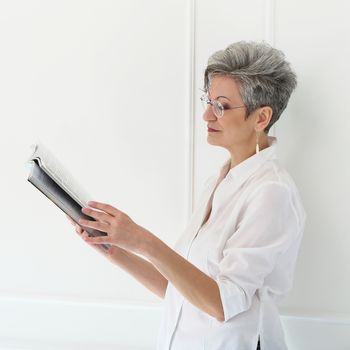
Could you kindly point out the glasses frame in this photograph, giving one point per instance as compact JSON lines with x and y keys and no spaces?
{"x":215,"y":103}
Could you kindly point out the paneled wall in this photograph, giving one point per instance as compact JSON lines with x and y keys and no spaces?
{"x":112,"y":88}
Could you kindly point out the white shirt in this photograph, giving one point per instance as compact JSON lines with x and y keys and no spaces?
{"x":249,"y":246}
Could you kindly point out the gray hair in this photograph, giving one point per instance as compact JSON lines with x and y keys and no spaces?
{"x":265,"y":78}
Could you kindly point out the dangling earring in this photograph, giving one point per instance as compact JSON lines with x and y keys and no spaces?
{"x":257,"y":150}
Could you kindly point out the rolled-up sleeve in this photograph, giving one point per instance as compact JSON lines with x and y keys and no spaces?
{"x":267,"y":226}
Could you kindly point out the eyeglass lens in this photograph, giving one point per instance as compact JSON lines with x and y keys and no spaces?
{"x":217,"y":106}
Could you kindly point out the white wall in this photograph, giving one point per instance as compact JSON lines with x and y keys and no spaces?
{"x":314,"y":134}
{"x":102,"y":83}
{"x":84,"y":77}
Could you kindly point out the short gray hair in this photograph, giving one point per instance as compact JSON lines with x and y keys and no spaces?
{"x":265,"y":78}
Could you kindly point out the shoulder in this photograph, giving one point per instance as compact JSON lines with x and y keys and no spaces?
{"x":272,"y":174}
{"x":272,"y":182}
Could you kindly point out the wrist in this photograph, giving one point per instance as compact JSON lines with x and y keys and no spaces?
{"x":148,"y":244}
{"x":117,"y":255}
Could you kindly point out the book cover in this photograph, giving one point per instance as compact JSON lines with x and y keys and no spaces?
{"x":50,"y":177}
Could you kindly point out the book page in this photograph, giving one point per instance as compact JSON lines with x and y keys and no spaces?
{"x":56,"y":170}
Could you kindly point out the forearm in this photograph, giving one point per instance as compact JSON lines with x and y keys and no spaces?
{"x":197,"y":287}
{"x":144,"y":272}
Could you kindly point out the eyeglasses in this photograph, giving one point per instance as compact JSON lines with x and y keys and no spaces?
{"x":218,"y":108}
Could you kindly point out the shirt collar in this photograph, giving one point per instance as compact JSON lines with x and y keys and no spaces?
{"x":243,"y":170}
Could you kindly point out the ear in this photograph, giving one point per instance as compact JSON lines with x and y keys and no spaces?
{"x":263,"y":118}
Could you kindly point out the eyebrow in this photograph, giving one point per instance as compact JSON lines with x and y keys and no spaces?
{"x":223,"y":97}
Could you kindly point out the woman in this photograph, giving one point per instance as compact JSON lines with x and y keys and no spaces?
{"x":235,"y":261}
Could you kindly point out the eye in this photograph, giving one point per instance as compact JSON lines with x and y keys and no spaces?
{"x":222,"y":105}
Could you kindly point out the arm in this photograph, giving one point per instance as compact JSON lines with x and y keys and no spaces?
{"x":142,"y":270}
{"x":265,"y":232}
{"x":197,"y":287}
{"x":267,"y":229}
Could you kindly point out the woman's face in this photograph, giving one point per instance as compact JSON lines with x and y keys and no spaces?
{"x":234,"y":131}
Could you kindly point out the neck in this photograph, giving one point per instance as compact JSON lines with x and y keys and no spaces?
{"x":239,"y":154}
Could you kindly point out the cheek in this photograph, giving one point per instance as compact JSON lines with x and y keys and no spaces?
{"x":232,"y":126}
{"x":234,"y":130}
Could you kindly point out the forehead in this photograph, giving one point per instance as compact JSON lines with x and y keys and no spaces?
{"x":223,"y":86}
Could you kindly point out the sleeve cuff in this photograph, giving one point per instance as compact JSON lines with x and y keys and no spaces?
{"x":233,"y":298}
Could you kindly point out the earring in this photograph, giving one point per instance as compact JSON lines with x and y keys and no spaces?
{"x":257,"y":144}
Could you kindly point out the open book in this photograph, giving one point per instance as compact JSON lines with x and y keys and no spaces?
{"x":49,"y":176}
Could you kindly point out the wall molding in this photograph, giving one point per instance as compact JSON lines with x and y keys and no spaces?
{"x":269,"y":21}
{"x":269,"y":35}
{"x":33,"y":322}
{"x":42,"y":322}
{"x":318,"y":317}
{"x":189,"y":103}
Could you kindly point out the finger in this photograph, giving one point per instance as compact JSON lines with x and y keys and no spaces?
{"x":98,"y":240}
{"x":70,"y":219}
{"x":98,"y":215}
{"x":78,"y":229}
{"x":105,"y":207}
{"x":94,"y":246}
{"x":100,"y":226}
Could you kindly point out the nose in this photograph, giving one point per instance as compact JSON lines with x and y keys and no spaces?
{"x":208,"y":114}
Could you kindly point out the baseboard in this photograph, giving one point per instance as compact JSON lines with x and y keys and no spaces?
{"x":316,"y":330}
{"x":33,"y":323}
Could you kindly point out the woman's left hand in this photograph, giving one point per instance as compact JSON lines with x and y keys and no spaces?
{"x":121,"y":230}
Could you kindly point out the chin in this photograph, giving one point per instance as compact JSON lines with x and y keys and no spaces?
{"x":212,"y":142}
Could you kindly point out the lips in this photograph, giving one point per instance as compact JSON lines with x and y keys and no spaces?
{"x":210,"y":129}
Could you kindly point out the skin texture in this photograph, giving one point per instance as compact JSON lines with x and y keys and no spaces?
{"x":236,"y":134}
{"x":143,"y":254}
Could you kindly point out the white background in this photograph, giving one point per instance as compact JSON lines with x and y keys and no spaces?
{"x":112,"y":88}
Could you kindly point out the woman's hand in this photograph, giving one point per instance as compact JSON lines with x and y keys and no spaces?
{"x":113,"y":254}
{"x":121,"y":230}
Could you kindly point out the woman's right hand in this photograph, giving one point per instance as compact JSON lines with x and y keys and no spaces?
{"x":112,"y":254}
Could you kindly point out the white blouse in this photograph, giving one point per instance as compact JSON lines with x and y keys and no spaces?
{"x":249,"y":246}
